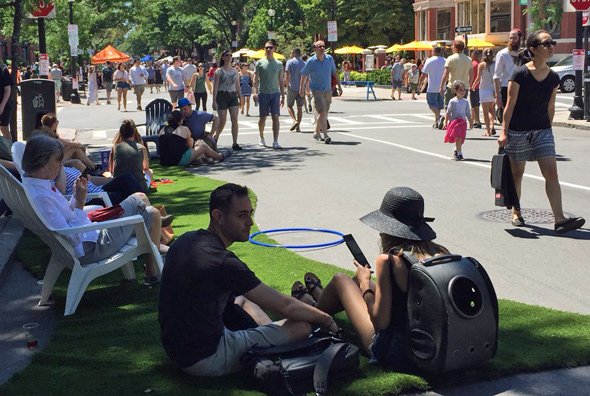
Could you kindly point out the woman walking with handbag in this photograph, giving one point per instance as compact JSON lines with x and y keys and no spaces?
{"x":526,"y":129}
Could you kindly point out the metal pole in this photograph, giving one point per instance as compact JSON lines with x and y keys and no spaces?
{"x":577,"y":109}
{"x":74,"y":96}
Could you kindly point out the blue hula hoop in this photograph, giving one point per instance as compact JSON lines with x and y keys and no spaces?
{"x":318,"y":245}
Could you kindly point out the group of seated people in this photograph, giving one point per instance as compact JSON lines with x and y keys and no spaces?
{"x":207,"y":291}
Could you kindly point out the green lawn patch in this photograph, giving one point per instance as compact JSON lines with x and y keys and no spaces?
{"x":111,"y":345}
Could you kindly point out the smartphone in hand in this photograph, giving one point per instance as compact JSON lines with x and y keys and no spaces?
{"x":85,"y":173}
{"x":356,"y":251}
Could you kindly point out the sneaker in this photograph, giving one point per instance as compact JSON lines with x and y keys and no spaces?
{"x":261,"y":142}
{"x":236,"y":147}
{"x":225,"y":154}
{"x":455,"y":156}
{"x":150,"y":281}
{"x":477,"y":125}
{"x":108,"y":102}
{"x":328,"y":140}
{"x":298,"y":129}
{"x":276,"y":146}
{"x":139,"y":108}
{"x":294,"y":126}
{"x":441,"y":122}
{"x":317,"y":137}
{"x":460,"y":157}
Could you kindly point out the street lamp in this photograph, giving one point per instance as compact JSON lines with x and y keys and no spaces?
{"x":234,"y":32}
{"x":271,"y":31}
{"x":74,"y":96}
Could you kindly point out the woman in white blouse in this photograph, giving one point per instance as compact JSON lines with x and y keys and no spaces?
{"x":42,"y":164}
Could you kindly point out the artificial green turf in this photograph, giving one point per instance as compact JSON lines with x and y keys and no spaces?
{"x":111,"y":344}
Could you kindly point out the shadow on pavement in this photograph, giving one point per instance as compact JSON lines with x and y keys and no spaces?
{"x":535,"y":232}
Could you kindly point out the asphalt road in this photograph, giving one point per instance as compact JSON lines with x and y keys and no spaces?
{"x":378,"y":145}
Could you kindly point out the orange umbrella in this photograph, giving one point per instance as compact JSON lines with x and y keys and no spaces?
{"x":110,"y":53}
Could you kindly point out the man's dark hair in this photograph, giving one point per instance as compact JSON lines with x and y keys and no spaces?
{"x":221,"y":197}
{"x":438,"y":50}
{"x":297,"y":52}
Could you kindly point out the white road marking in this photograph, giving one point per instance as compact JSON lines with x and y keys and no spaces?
{"x":486,"y":166}
{"x":389,"y":119}
{"x":335,"y":120}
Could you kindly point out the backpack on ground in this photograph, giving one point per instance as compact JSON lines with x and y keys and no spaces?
{"x":302,"y":366}
{"x":452,"y":313}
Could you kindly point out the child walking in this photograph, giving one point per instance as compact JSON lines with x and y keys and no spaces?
{"x":458,"y":114}
{"x":413,"y":78}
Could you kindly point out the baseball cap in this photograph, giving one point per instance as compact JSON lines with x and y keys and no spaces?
{"x":183,"y":102}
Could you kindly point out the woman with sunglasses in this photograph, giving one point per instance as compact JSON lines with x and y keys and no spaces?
{"x":226,"y":96}
{"x":199,"y":87}
{"x":526,"y":131}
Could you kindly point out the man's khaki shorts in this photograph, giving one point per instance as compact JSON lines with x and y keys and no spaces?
{"x":322,"y":101}
{"x":292,"y":97}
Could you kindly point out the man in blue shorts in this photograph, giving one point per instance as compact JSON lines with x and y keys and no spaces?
{"x":269,"y":91}
{"x":398,"y":73}
{"x":433,"y":69}
{"x":200,"y":279}
{"x":197,"y":122}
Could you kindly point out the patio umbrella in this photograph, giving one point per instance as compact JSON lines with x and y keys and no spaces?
{"x":260,"y":54}
{"x":352,"y":50}
{"x":342,"y":51}
{"x":479,"y":43}
{"x":109,"y":53}
{"x":147,"y":58}
{"x":417,"y":46}
{"x":393,"y":48}
{"x":242,"y":52}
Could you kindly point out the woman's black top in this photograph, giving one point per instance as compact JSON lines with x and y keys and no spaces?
{"x":530,"y":112}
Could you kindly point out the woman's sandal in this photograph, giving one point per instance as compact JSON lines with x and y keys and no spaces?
{"x":569,"y":225}
{"x":312,"y":281}
{"x":298,"y":290}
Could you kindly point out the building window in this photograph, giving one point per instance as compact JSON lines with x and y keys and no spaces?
{"x":500,"y":16}
{"x":464,"y":13}
{"x":479,"y":10}
{"x":422,"y":34}
{"x":443,"y":24}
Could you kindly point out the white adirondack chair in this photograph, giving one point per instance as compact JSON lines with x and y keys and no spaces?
{"x":62,"y":252}
{"x":18,"y":149}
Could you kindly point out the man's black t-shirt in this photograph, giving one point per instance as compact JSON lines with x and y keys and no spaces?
{"x":5,"y":80}
{"x":107,"y":74}
{"x":530,"y":112}
{"x":199,"y":277}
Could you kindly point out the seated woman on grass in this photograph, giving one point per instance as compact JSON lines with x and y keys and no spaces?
{"x":128,"y":155}
{"x":42,"y":164}
{"x":377,"y":310}
{"x":177,"y":147}
{"x":74,"y":152}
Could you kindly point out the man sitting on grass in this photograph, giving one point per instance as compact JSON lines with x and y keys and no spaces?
{"x":199,"y":277}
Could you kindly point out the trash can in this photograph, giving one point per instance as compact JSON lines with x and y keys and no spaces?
{"x":66,"y":88}
{"x":37,"y":97}
{"x":587,"y":99}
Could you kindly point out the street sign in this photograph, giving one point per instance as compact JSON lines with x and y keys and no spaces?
{"x":465,"y":29}
{"x":73,"y":50}
{"x":578,"y":59}
{"x":580,"y":5}
{"x":43,"y":65}
{"x":585,"y":18}
{"x":73,"y":35}
{"x":332,"y":31}
{"x":43,"y":9}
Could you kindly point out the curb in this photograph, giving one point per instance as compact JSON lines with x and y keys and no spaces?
{"x":571,"y":125}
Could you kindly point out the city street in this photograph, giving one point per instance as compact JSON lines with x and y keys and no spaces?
{"x":381,"y":144}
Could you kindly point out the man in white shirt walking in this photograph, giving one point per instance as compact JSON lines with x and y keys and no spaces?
{"x":138,"y":76}
{"x":505,"y":64}
{"x":433,"y":70}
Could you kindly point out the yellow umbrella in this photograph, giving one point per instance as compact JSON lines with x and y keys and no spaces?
{"x":242,"y":52}
{"x":261,"y":54}
{"x":478,"y":43}
{"x":417,"y":46}
{"x":393,"y":48}
{"x":353,"y":50}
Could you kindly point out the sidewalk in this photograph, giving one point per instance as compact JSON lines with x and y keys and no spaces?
{"x":19,"y":294}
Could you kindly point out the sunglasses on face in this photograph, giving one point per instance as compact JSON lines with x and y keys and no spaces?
{"x":548,"y":44}
{"x":320,"y":46}
{"x":269,"y":47}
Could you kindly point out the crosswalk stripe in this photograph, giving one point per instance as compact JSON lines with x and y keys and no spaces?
{"x":391,"y":119}
{"x":423,"y":116}
{"x":343,"y":120}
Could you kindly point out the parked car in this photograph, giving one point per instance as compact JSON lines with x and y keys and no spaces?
{"x":565,"y":70}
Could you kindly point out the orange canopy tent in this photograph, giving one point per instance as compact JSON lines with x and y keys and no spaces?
{"x":110,"y":53}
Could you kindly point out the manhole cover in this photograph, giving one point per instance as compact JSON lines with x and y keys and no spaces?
{"x":531,"y":216}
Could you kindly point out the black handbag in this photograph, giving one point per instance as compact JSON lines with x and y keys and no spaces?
{"x":300,"y":367}
{"x":502,"y":181}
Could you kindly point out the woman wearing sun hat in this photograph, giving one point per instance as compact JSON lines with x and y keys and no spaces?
{"x":377,"y":309}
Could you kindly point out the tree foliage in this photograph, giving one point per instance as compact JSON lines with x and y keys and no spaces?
{"x":180,"y":26}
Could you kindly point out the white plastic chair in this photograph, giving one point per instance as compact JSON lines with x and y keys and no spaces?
{"x":18,"y":149}
{"x":62,"y":252}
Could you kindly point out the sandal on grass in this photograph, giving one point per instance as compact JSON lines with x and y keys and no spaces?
{"x":312,"y":281}
{"x":298,"y":290}
{"x":569,"y":225}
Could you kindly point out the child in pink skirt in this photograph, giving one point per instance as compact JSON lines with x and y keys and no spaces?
{"x":458,"y":114}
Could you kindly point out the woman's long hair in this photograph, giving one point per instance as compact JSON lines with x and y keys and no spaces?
{"x":222,"y":60}
{"x":127,"y":130}
{"x":419,"y":249}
